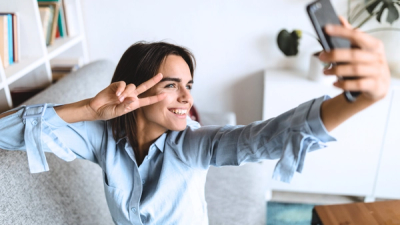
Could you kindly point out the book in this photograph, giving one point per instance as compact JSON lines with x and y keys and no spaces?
{"x":45,"y":17}
{"x":60,"y":17}
{"x":58,"y":32}
{"x":51,"y":32}
{"x":13,"y":36}
{"x":61,"y":21}
{"x":10,"y":40}
{"x":16,"y":37}
{"x":4,"y":40}
{"x":71,"y":17}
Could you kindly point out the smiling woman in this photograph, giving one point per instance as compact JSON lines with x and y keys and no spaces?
{"x":154,"y":158}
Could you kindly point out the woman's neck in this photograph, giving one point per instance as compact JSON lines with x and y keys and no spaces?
{"x":147,"y":133}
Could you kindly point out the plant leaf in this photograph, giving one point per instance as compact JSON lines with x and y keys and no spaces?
{"x":393,"y":14}
{"x":379,"y":15}
{"x":372,"y":7}
{"x":288,"y":43}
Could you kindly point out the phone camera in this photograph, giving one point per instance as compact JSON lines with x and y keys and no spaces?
{"x":318,"y":5}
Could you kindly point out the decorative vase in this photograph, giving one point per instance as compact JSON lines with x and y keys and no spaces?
{"x":316,"y":71}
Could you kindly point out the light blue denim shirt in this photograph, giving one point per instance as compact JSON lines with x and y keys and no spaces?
{"x":168,"y":187}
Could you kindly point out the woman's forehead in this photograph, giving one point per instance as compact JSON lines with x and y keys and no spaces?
{"x":175,"y":66}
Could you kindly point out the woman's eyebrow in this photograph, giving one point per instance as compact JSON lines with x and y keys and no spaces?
{"x":178,"y":80}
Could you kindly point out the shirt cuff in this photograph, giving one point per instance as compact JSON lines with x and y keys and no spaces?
{"x":315,"y":123}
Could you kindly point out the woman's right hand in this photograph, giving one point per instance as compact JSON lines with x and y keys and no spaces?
{"x":118,"y":99}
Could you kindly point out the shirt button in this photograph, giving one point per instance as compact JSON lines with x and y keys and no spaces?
{"x":34,"y":122}
{"x":147,"y":157}
{"x":143,"y":181}
{"x":134,"y":209}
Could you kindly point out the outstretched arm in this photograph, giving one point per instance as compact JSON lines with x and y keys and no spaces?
{"x":367,"y":62}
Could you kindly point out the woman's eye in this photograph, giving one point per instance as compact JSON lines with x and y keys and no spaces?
{"x":170,"y":86}
{"x":189,"y":87}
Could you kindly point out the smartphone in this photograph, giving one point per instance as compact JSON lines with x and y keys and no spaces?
{"x":321,"y":13}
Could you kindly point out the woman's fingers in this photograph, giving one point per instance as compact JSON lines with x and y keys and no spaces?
{"x":345,"y":23}
{"x":128,"y":92}
{"x":120,"y":87}
{"x":349,"y":55}
{"x":148,"y":84}
{"x":363,"y":84}
{"x":356,"y":37}
{"x":151,"y":99}
{"x":352,"y":70}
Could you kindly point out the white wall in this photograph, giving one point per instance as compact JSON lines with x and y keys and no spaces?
{"x":233,"y":41}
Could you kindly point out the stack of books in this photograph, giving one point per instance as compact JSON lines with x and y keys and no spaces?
{"x":55,"y":14}
{"x":63,"y":67}
{"x":9,"y":46}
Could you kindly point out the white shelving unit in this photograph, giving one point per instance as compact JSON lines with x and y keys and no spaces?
{"x":34,"y":68}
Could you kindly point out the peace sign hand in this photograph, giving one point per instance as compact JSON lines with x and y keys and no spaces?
{"x":118,"y":99}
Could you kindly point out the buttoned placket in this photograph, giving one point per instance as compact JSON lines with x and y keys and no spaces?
{"x":134,"y":213}
{"x":144,"y":167}
{"x":140,"y":175}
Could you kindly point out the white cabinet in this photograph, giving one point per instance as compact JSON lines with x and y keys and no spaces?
{"x":388,"y":179}
{"x":33,"y":70}
{"x":346,"y":167}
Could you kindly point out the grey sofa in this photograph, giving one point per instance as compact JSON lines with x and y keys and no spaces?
{"x":72,"y":193}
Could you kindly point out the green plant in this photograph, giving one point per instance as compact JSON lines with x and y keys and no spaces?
{"x":288,"y":42}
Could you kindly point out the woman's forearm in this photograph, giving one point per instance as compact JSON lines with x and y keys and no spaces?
{"x":70,"y":113}
{"x":76,"y":112}
{"x":337,"y":110}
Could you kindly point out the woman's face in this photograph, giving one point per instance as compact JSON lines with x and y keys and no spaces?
{"x":170,"y":114}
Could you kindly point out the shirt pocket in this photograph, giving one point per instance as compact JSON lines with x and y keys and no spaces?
{"x":116,"y":202}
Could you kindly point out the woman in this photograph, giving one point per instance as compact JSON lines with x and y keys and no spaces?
{"x":154,"y":160}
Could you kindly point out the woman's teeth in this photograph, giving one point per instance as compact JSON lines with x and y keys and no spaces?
{"x":179,"y":111}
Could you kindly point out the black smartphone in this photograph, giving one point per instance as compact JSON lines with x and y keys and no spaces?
{"x":321,"y":13}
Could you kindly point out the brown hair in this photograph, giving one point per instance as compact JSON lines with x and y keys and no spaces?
{"x":139,"y":63}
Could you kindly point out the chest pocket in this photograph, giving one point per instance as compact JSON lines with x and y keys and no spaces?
{"x":116,"y":201}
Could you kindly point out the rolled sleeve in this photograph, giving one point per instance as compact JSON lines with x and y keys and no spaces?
{"x":307,"y":133}
{"x":48,"y":132}
{"x":314,"y":121}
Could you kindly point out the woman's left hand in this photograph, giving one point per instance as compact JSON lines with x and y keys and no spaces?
{"x":366,"y":61}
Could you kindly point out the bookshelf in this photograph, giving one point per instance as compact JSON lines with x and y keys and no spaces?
{"x":34,"y":67}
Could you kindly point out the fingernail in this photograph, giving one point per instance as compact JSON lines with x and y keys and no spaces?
{"x":328,"y":28}
{"x":118,"y":94}
{"x":121,"y":99}
{"x":322,"y":56}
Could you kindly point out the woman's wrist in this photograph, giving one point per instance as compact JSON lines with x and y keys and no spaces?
{"x":76,"y":112}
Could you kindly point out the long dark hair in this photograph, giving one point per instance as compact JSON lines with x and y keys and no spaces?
{"x":139,"y":63}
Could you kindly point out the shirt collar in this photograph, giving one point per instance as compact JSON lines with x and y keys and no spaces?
{"x":159,"y":143}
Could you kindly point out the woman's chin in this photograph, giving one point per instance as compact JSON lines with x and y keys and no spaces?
{"x":178,"y":128}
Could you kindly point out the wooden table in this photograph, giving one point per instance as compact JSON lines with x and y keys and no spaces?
{"x":375,"y":213}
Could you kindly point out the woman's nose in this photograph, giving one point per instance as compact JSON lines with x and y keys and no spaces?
{"x":184,"y":95}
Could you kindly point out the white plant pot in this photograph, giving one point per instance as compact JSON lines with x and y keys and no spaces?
{"x":316,"y":71}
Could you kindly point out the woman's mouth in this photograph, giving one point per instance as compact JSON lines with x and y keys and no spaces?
{"x":181,"y":113}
